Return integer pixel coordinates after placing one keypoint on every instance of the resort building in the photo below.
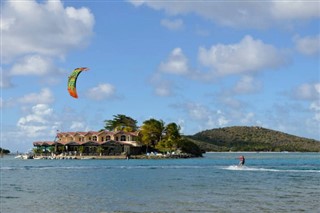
(92, 143)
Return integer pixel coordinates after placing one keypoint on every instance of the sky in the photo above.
(202, 65)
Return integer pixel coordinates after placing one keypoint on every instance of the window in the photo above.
(102, 138)
(94, 138)
(123, 138)
(108, 138)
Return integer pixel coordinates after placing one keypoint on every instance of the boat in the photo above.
(24, 156)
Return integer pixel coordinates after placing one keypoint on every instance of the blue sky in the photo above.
(202, 65)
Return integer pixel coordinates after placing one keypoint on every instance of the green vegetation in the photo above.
(151, 132)
(4, 151)
(171, 139)
(188, 146)
(38, 150)
(243, 138)
(155, 135)
(121, 122)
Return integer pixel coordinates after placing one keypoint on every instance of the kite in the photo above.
(72, 81)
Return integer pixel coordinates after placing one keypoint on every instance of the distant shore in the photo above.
(113, 157)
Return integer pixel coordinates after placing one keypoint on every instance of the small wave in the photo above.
(152, 167)
(160, 167)
(246, 168)
(42, 168)
(9, 197)
(7, 168)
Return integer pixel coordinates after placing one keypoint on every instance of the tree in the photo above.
(188, 146)
(81, 150)
(152, 132)
(100, 150)
(171, 137)
(4, 151)
(51, 149)
(122, 123)
(38, 150)
(172, 132)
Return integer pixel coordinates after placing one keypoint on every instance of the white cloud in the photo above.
(230, 102)
(222, 120)
(101, 92)
(245, 58)
(6, 23)
(248, 118)
(79, 126)
(181, 123)
(204, 116)
(309, 45)
(310, 92)
(44, 97)
(82, 15)
(176, 63)
(295, 118)
(307, 91)
(40, 122)
(315, 107)
(5, 80)
(197, 111)
(203, 32)
(162, 87)
(176, 24)
(43, 28)
(295, 9)
(35, 34)
(248, 56)
(33, 65)
(247, 84)
(246, 14)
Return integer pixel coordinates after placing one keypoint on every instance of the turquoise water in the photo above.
(269, 182)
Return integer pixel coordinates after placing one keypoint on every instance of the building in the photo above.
(92, 143)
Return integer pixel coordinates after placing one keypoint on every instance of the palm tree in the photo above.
(170, 138)
(121, 122)
(81, 150)
(100, 150)
(152, 132)
(38, 150)
(172, 131)
(51, 149)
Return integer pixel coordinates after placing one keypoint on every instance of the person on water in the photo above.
(242, 160)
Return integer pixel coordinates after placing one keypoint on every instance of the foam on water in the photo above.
(246, 168)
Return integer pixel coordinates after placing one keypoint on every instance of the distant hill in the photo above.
(243, 138)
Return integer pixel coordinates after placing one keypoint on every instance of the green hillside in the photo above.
(242, 138)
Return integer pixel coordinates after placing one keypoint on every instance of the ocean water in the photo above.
(269, 182)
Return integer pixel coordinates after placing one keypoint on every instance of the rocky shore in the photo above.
(114, 157)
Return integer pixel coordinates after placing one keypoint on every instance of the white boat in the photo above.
(24, 157)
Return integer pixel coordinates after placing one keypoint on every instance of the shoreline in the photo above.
(114, 157)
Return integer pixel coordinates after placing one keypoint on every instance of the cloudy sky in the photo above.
(202, 65)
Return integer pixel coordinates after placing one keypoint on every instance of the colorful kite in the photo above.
(73, 81)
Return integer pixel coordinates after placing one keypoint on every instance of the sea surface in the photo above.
(269, 182)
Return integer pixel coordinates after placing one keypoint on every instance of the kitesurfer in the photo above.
(242, 160)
